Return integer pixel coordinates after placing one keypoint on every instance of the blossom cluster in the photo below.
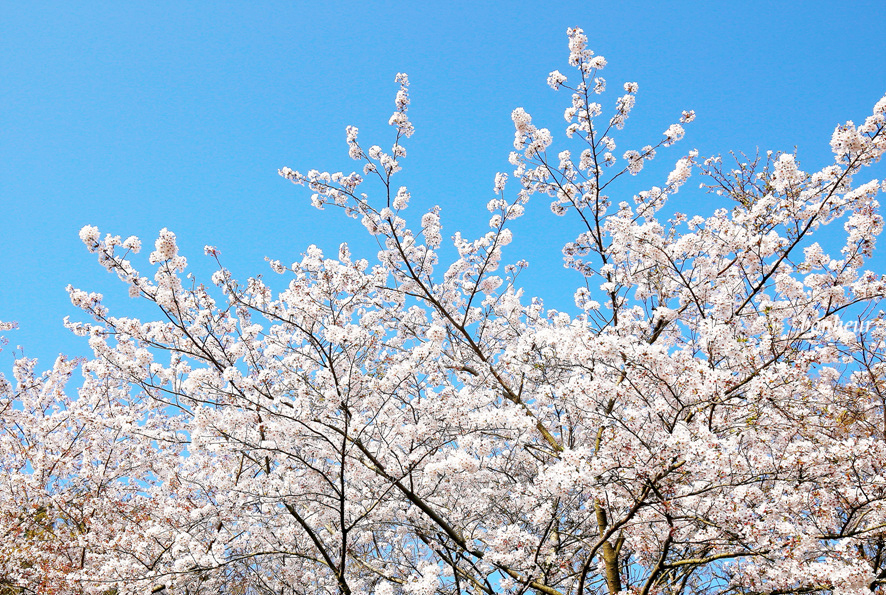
(699, 424)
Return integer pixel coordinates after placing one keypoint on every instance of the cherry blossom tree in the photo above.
(68, 476)
(703, 422)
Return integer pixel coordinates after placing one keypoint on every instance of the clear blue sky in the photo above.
(137, 116)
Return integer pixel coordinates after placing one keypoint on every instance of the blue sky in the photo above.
(138, 116)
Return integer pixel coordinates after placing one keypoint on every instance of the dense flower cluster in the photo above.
(699, 425)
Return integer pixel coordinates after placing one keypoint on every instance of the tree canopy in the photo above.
(711, 418)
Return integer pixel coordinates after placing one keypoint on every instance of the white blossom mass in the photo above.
(706, 421)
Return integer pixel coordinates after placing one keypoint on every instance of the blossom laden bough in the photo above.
(700, 424)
